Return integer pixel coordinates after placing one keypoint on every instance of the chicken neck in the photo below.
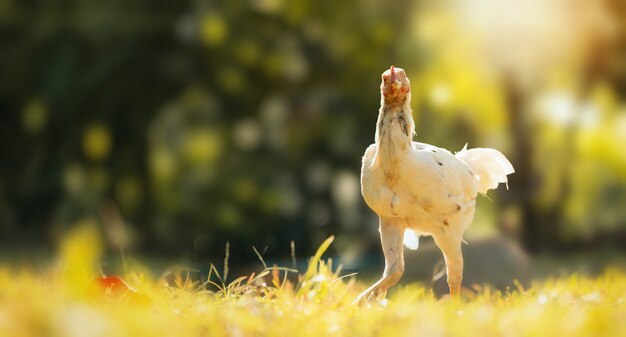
(394, 130)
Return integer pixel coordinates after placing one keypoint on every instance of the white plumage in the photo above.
(411, 239)
(490, 167)
(419, 189)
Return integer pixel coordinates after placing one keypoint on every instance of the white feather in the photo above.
(411, 239)
(490, 166)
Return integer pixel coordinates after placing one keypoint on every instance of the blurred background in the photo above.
(178, 126)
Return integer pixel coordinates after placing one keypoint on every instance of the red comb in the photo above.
(393, 73)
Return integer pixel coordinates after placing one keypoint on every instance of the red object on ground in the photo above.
(115, 288)
(114, 284)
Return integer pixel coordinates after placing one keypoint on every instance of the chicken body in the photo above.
(420, 189)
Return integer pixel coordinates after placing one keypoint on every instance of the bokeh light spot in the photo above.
(213, 29)
(97, 142)
(202, 146)
(34, 116)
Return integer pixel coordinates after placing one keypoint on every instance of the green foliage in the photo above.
(246, 120)
(199, 122)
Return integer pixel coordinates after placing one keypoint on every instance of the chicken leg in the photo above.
(391, 238)
(451, 248)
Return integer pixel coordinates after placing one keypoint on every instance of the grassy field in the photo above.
(66, 300)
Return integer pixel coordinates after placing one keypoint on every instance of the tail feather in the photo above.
(490, 167)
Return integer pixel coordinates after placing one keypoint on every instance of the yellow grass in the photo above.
(63, 301)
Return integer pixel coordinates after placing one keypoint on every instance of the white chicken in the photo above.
(419, 189)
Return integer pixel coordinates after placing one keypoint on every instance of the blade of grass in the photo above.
(312, 269)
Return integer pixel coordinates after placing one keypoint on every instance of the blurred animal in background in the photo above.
(419, 189)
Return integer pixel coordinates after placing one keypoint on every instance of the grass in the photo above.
(64, 300)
